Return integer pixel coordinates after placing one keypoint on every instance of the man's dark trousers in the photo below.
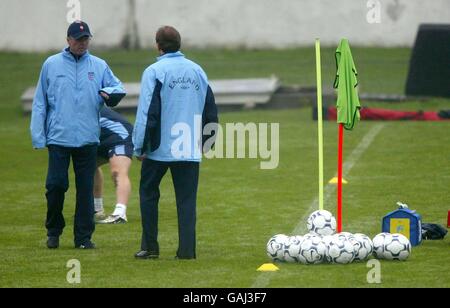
(84, 165)
(185, 180)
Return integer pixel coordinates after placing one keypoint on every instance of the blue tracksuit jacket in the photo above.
(66, 104)
(175, 103)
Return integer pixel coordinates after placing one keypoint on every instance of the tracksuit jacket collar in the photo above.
(170, 55)
(67, 53)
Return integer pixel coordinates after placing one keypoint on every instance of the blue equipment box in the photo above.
(406, 222)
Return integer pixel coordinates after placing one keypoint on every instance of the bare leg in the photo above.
(120, 166)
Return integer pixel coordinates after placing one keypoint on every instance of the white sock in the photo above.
(120, 210)
(98, 204)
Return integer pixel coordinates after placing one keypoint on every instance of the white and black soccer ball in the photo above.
(397, 247)
(365, 247)
(340, 251)
(321, 222)
(378, 244)
(275, 247)
(312, 250)
(292, 248)
(347, 236)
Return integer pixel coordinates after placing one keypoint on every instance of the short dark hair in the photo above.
(168, 39)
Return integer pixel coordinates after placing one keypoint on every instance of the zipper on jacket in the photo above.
(76, 79)
(76, 90)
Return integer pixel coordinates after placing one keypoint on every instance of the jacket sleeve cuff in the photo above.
(114, 98)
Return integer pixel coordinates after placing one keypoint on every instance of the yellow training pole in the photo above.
(319, 122)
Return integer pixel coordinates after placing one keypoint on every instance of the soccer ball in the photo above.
(322, 223)
(340, 250)
(292, 248)
(275, 247)
(391, 246)
(398, 248)
(312, 250)
(347, 236)
(365, 247)
(378, 244)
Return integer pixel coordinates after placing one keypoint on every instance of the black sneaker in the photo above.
(145, 254)
(53, 242)
(86, 245)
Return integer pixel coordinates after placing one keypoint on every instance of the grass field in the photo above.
(239, 206)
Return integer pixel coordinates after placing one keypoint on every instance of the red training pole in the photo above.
(339, 187)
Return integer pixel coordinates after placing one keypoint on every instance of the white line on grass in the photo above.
(263, 279)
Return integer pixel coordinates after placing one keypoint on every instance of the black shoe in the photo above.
(53, 242)
(86, 245)
(145, 254)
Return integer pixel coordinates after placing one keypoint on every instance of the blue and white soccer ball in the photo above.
(312, 250)
(391, 246)
(275, 247)
(292, 249)
(340, 250)
(347, 236)
(321, 222)
(397, 247)
(364, 249)
(378, 244)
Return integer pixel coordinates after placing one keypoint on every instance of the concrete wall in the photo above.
(37, 25)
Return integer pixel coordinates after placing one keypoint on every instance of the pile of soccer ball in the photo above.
(323, 244)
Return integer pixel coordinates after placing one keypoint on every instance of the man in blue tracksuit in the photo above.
(72, 88)
(174, 104)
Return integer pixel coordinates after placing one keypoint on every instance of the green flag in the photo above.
(347, 101)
